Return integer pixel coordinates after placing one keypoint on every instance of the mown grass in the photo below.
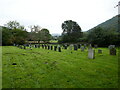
(41, 68)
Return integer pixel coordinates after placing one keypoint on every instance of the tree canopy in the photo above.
(71, 31)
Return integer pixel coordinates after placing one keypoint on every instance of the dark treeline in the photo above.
(14, 33)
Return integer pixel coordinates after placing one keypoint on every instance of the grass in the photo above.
(41, 68)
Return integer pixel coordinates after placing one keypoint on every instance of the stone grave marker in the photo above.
(71, 46)
(51, 47)
(48, 47)
(99, 51)
(55, 48)
(75, 47)
(59, 48)
(112, 51)
(91, 53)
(82, 48)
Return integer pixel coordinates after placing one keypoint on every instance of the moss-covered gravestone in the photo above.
(112, 50)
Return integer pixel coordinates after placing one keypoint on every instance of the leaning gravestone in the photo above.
(99, 51)
(112, 50)
(91, 53)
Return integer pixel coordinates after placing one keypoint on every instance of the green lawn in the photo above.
(40, 68)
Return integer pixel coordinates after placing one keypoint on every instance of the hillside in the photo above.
(109, 24)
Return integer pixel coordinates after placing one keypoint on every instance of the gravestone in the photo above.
(51, 47)
(82, 48)
(59, 49)
(99, 51)
(42, 46)
(112, 51)
(55, 48)
(71, 46)
(111, 46)
(48, 47)
(91, 53)
(75, 47)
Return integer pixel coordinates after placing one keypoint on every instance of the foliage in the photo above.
(102, 37)
(71, 31)
(13, 33)
(40, 68)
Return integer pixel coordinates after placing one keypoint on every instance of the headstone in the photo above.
(55, 48)
(112, 51)
(111, 46)
(51, 47)
(48, 47)
(99, 51)
(82, 48)
(75, 47)
(42, 46)
(71, 46)
(59, 49)
(91, 53)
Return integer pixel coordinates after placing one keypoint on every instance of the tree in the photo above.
(44, 35)
(13, 33)
(14, 25)
(102, 37)
(71, 31)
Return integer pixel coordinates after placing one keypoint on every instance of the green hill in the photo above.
(109, 24)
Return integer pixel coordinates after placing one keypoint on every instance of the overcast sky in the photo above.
(51, 14)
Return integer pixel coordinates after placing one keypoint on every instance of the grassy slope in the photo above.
(40, 68)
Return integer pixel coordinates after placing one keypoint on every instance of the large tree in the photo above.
(44, 35)
(71, 31)
(13, 32)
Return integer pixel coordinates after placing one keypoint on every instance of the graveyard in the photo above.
(47, 67)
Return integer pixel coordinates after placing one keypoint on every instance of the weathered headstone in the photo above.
(91, 53)
(59, 49)
(75, 47)
(71, 46)
(112, 51)
(51, 47)
(99, 51)
(48, 47)
(82, 48)
(55, 48)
